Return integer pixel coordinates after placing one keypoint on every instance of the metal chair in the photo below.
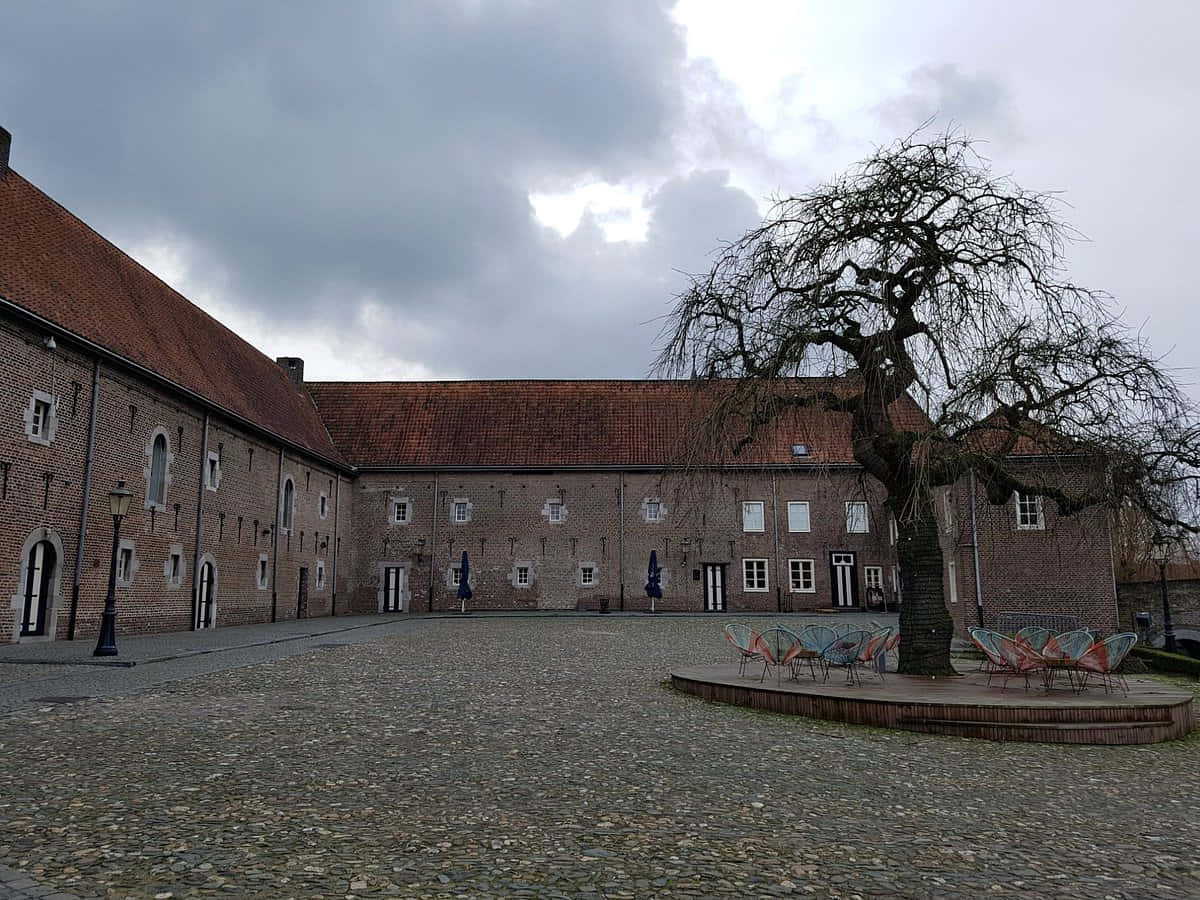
(1102, 658)
(1035, 636)
(742, 638)
(844, 653)
(873, 649)
(772, 645)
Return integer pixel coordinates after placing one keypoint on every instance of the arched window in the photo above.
(289, 492)
(158, 471)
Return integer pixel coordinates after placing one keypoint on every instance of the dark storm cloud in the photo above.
(319, 153)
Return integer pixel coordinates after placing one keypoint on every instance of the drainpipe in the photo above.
(621, 535)
(775, 527)
(433, 539)
(275, 536)
(337, 515)
(975, 553)
(199, 527)
(87, 491)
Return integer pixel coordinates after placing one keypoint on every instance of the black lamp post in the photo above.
(1162, 553)
(118, 504)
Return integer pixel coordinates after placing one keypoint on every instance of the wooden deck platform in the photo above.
(965, 706)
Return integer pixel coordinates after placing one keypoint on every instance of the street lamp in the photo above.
(118, 505)
(1161, 554)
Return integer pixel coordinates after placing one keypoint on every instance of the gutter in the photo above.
(87, 493)
(621, 536)
(639, 468)
(337, 516)
(275, 536)
(975, 553)
(103, 352)
(199, 528)
(775, 528)
(433, 505)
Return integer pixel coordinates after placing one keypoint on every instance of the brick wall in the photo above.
(1183, 595)
(510, 525)
(1064, 568)
(130, 412)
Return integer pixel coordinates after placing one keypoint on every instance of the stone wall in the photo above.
(1146, 596)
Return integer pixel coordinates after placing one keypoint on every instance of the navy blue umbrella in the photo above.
(464, 586)
(653, 588)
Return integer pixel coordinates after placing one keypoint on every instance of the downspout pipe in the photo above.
(337, 516)
(199, 527)
(433, 539)
(775, 528)
(621, 535)
(975, 554)
(275, 537)
(87, 493)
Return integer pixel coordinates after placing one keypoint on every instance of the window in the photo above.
(754, 574)
(401, 511)
(127, 564)
(41, 418)
(1029, 512)
(262, 572)
(212, 472)
(653, 511)
(157, 494)
(174, 568)
(456, 576)
(893, 531)
(555, 509)
(323, 505)
(462, 512)
(873, 577)
(522, 576)
(800, 573)
(320, 574)
(947, 511)
(587, 575)
(798, 515)
(952, 579)
(856, 517)
(289, 501)
(752, 516)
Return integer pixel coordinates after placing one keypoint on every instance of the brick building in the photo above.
(259, 496)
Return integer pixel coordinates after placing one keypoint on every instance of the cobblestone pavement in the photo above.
(547, 758)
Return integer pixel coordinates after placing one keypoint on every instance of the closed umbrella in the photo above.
(464, 586)
(653, 587)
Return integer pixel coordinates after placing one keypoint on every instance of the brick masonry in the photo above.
(1183, 595)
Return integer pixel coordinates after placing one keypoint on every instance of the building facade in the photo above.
(258, 496)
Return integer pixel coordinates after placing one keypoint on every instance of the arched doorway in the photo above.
(206, 596)
(40, 567)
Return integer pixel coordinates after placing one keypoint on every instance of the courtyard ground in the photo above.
(544, 757)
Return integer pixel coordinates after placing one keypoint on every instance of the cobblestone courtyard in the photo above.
(547, 757)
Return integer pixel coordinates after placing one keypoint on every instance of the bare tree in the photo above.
(920, 275)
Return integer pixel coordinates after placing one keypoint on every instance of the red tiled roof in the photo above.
(55, 266)
(554, 423)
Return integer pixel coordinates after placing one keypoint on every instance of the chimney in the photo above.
(5, 144)
(294, 366)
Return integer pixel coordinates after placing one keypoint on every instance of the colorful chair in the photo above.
(844, 653)
(1034, 636)
(1018, 659)
(772, 645)
(872, 651)
(1102, 658)
(742, 638)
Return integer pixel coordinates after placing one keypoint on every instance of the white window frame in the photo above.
(747, 507)
(760, 566)
(319, 578)
(41, 418)
(653, 509)
(522, 576)
(893, 530)
(396, 505)
(587, 575)
(456, 576)
(127, 572)
(948, 511)
(851, 519)
(153, 502)
(175, 579)
(262, 572)
(796, 576)
(212, 471)
(952, 579)
(794, 509)
(1040, 524)
(873, 577)
(554, 512)
(463, 504)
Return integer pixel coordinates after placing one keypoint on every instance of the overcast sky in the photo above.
(496, 190)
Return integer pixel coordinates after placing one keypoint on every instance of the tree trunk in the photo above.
(925, 624)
